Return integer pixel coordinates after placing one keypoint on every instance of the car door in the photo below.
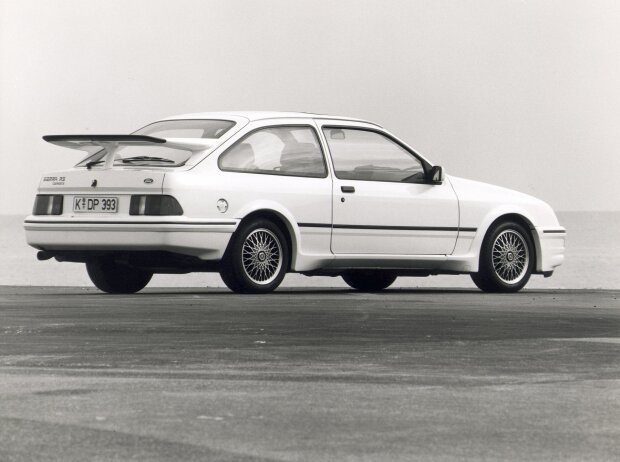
(382, 203)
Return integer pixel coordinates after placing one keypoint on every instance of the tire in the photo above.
(115, 278)
(507, 259)
(256, 259)
(369, 280)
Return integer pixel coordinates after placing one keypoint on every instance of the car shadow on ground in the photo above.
(282, 291)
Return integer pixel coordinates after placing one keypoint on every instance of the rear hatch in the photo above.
(100, 192)
(119, 171)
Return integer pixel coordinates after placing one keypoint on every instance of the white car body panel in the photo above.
(203, 239)
(481, 204)
(394, 218)
(434, 227)
(388, 218)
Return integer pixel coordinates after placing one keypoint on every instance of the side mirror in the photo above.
(435, 175)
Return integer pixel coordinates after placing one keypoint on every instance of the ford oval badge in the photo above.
(148, 180)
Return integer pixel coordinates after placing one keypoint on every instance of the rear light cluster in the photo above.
(154, 205)
(45, 204)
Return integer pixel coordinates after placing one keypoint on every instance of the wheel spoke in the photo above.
(510, 256)
(261, 256)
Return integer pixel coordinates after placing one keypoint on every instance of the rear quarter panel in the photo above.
(295, 199)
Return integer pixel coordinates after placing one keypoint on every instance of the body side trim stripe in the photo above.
(231, 223)
(314, 225)
(213, 223)
(554, 231)
(392, 228)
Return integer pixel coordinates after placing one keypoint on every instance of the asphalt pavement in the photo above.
(304, 375)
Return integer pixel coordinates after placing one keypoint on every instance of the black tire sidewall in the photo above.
(369, 280)
(487, 275)
(232, 271)
(114, 278)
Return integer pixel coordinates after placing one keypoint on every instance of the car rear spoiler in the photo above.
(112, 142)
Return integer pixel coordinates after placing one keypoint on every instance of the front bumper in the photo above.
(205, 239)
(550, 246)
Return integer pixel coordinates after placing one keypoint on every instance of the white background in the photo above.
(517, 93)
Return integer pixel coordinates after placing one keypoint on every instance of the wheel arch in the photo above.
(524, 221)
(281, 221)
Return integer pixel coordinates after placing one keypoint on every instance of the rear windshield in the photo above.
(162, 156)
(187, 129)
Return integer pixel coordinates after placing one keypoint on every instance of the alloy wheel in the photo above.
(510, 256)
(261, 256)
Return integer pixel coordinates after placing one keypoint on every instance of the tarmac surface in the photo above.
(321, 374)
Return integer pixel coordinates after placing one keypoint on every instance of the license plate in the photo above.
(98, 204)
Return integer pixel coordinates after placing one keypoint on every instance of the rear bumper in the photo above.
(550, 247)
(205, 239)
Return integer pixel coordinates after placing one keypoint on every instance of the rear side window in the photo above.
(367, 155)
(287, 150)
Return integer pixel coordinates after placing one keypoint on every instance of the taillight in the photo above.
(154, 205)
(45, 204)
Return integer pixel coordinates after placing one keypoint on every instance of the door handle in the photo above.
(347, 189)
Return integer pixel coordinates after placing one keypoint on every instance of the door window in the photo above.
(367, 155)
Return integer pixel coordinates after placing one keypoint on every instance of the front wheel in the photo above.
(506, 259)
(256, 260)
(114, 278)
(369, 280)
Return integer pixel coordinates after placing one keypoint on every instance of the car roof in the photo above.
(263, 115)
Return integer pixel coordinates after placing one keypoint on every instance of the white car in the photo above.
(254, 195)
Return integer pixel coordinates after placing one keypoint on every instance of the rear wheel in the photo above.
(115, 278)
(369, 280)
(257, 258)
(506, 259)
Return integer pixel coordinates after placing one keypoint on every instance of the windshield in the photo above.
(158, 155)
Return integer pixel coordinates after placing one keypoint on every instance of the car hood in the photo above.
(478, 200)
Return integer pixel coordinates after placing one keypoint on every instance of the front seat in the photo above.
(302, 158)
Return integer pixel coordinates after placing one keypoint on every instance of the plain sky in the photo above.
(525, 94)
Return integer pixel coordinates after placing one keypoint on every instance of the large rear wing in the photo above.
(110, 143)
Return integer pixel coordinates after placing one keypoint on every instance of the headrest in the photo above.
(241, 156)
(299, 150)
